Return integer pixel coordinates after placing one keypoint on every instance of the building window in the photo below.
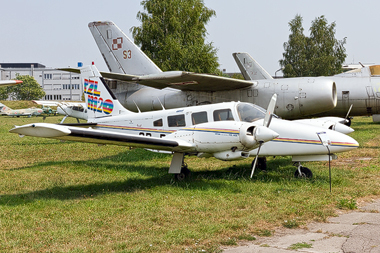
(48, 76)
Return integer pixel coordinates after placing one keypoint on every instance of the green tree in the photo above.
(29, 89)
(3, 93)
(320, 54)
(172, 34)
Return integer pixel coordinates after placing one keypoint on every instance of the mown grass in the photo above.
(77, 197)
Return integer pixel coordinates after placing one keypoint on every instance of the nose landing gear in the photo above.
(302, 172)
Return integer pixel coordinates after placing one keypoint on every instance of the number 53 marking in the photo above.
(127, 54)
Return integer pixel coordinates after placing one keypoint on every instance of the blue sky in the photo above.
(55, 33)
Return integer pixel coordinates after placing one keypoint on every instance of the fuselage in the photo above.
(361, 88)
(184, 123)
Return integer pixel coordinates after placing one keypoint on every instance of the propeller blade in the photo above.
(257, 158)
(349, 110)
(264, 134)
(270, 110)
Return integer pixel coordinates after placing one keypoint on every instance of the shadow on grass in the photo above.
(154, 177)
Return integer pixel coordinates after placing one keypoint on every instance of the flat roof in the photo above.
(21, 65)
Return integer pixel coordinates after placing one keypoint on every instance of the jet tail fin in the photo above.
(4, 108)
(250, 68)
(119, 52)
(100, 100)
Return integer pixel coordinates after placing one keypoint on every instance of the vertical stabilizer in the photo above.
(4, 109)
(250, 69)
(100, 100)
(119, 52)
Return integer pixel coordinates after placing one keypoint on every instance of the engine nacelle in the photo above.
(299, 97)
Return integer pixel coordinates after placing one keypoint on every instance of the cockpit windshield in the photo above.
(249, 112)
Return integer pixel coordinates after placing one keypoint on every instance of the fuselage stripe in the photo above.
(314, 142)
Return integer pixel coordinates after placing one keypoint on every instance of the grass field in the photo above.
(77, 197)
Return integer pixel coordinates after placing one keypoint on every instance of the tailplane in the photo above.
(119, 52)
(100, 100)
(250, 69)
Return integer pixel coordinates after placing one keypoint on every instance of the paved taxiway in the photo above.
(356, 231)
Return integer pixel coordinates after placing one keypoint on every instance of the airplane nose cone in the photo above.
(341, 143)
(264, 134)
(343, 128)
(60, 111)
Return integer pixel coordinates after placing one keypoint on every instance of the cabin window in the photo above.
(157, 123)
(199, 117)
(78, 108)
(176, 121)
(224, 114)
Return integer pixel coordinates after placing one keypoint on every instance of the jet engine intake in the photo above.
(318, 96)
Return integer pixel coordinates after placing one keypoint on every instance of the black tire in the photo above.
(305, 173)
(183, 175)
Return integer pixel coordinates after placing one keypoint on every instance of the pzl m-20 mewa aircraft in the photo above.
(227, 131)
(148, 85)
(358, 90)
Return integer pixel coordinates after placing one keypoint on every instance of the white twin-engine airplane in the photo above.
(226, 131)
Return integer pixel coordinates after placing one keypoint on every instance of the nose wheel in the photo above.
(303, 172)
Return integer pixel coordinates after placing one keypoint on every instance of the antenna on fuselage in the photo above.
(163, 108)
(136, 106)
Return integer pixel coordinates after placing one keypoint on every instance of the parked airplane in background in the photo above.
(148, 86)
(359, 88)
(33, 111)
(226, 131)
(4, 83)
(69, 109)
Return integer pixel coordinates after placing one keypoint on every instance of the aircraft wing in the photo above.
(56, 103)
(180, 80)
(65, 132)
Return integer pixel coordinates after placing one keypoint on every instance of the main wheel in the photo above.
(305, 173)
(185, 173)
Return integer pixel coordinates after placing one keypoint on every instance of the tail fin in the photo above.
(4, 109)
(250, 68)
(119, 52)
(100, 100)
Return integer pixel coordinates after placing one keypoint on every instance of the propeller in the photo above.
(347, 118)
(262, 137)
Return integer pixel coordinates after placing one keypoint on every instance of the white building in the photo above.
(58, 85)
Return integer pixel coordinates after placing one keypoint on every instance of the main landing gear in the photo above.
(185, 173)
(178, 167)
(302, 172)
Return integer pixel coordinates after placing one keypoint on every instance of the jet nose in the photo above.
(343, 128)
